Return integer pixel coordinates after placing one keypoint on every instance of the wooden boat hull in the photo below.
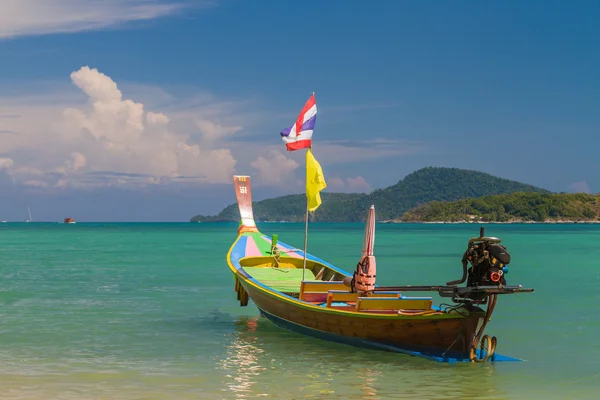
(430, 335)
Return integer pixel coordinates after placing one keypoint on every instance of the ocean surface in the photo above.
(148, 311)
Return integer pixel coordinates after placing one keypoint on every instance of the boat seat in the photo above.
(317, 290)
(345, 295)
(382, 303)
(340, 295)
(385, 294)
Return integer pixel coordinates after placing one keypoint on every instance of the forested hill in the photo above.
(420, 187)
(513, 207)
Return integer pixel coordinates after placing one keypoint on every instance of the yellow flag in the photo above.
(315, 181)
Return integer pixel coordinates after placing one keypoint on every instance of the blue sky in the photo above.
(142, 110)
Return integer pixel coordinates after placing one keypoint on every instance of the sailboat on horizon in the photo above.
(30, 219)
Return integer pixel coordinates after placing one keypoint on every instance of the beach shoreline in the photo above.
(491, 222)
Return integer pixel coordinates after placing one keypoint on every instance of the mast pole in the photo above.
(305, 239)
(305, 227)
(306, 216)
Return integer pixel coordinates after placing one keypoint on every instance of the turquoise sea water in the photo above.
(148, 311)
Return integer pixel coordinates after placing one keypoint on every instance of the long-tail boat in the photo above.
(303, 293)
(306, 294)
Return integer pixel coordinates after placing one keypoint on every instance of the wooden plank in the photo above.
(314, 297)
(379, 303)
(340, 295)
(385, 294)
(321, 287)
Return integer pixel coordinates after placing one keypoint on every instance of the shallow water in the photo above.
(148, 311)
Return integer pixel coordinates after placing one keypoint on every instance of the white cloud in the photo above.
(35, 183)
(105, 141)
(76, 162)
(335, 152)
(336, 184)
(357, 184)
(34, 17)
(272, 166)
(157, 118)
(5, 163)
(275, 168)
(580, 187)
(212, 130)
(99, 133)
(26, 171)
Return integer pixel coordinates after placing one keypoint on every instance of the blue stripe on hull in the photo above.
(429, 353)
(239, 250)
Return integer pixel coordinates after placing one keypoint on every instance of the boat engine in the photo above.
(488, 259)
(485, 277)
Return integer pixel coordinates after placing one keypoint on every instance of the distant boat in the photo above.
(69, 221)
(3, 222)
(30, 219)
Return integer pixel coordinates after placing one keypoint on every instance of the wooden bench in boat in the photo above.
(330, 291)
(385, 294)
(340, 295)
(393, 304)
(347, 296)
(317, 290)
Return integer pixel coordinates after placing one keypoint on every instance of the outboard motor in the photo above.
(488, 259)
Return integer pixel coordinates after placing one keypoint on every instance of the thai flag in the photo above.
(299, 135)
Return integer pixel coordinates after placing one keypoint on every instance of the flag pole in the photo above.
(305, 239)
(306, 217)
(305, 226)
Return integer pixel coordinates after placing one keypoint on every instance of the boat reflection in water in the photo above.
(242, 359)
(264, 361)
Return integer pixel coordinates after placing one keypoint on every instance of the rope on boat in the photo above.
(290, 250)
(276, 253)
(459, 336)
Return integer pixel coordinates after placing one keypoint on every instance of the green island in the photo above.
(432, 194)
(511, 208)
